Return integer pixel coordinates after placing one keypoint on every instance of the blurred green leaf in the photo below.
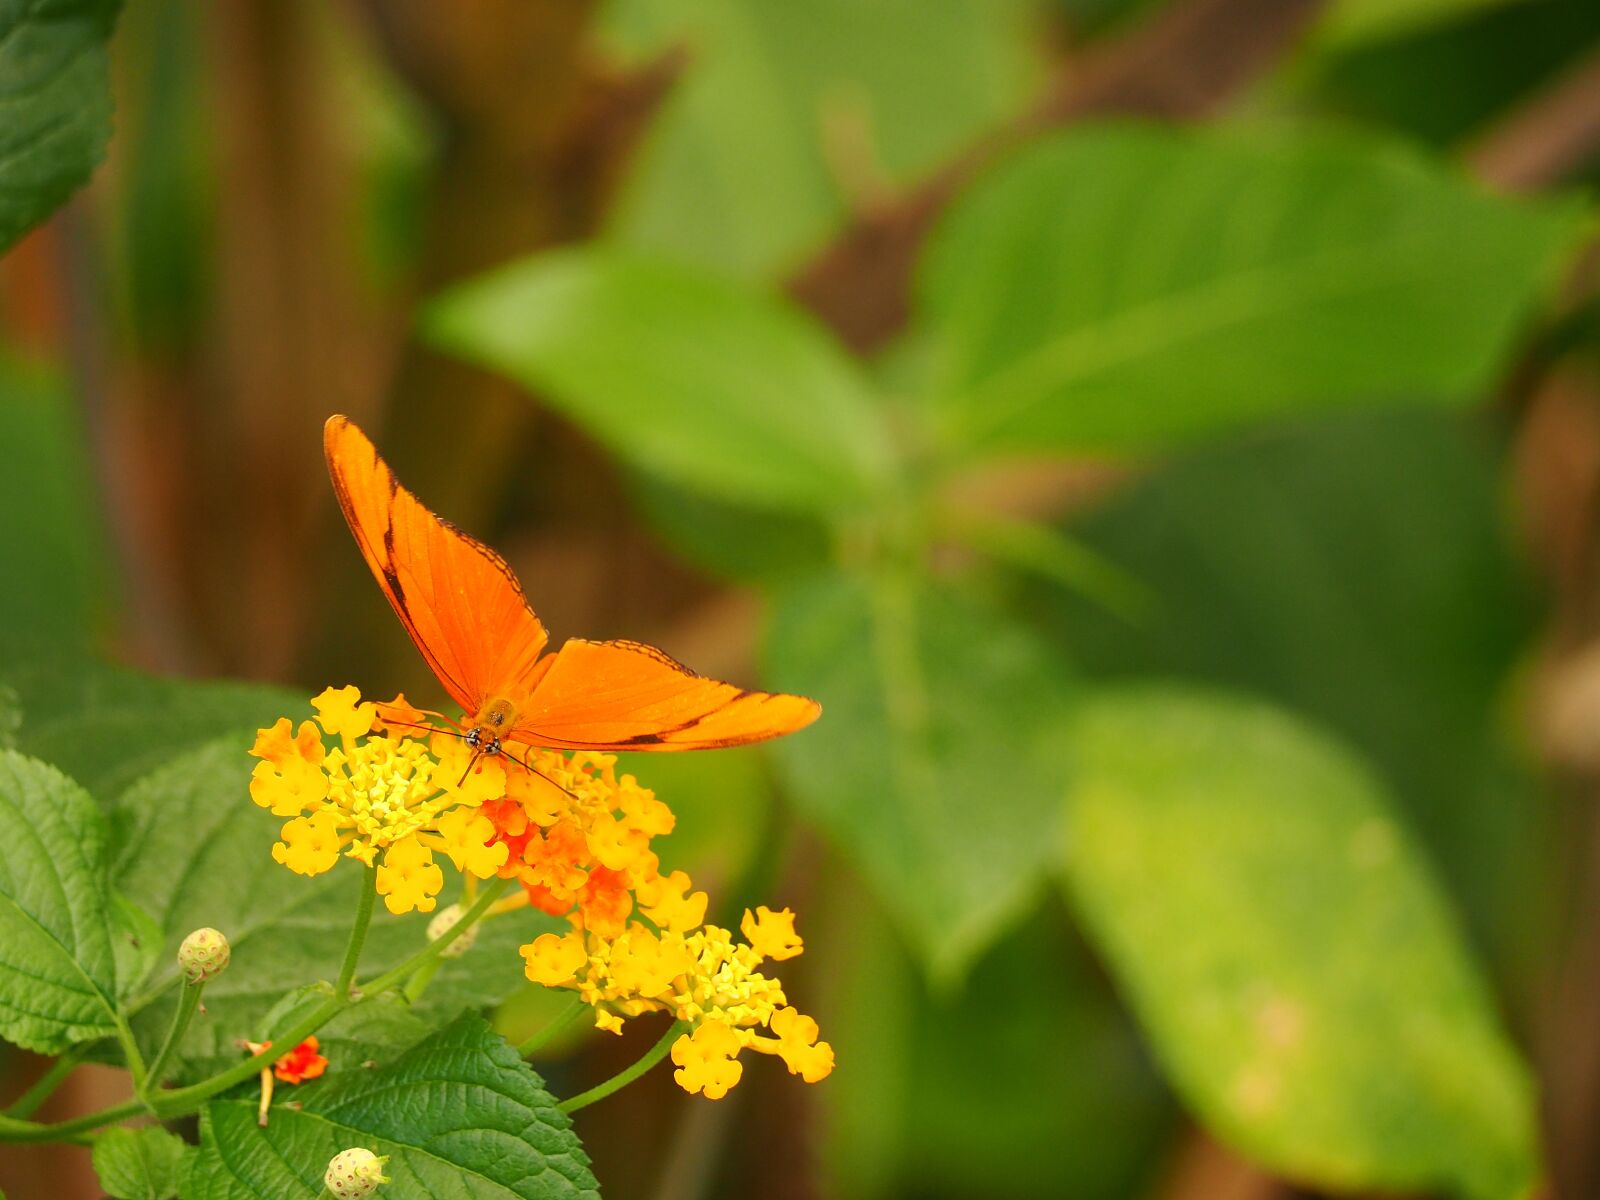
(685, 375)
(58, 962)
(1128, 288)
(140, 1164)
(733, 542)
(57, 104)
(107, 725)
(787, 114)
(1358, 569)
(922, 1112)
(51, 544)
(937, 764)
(1282, 943)
(1352, 22)
(197, 851)
(460, 1117)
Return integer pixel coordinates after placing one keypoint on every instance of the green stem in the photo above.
(623, 1078)
(28, 1103)
(188, 1002)
(12, 1130)
(554, 1026)
(433, 949)
(419, 982)
(358, 933)
(130, 1053)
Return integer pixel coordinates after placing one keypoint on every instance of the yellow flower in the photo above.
(464, 835)
(797, 1044)
(408, 878)
(669, 904)
(310, 845)
(771, 934)
(707, 1060)
(554, 959)
(342, 713)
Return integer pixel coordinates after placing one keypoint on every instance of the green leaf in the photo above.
(687, 376)
(1349, 23)
(107, 725)
(56, 101)
(53, 546)
(732, 542)
(197, 851)
(937, 763)
(1239, 872)
(786, 108)
(460, 1117)
(1127, 288)
(1282, 566)
(140, 1164)
(58, 960)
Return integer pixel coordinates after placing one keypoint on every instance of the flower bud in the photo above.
(355, 1173)
(203, 955)
(443, 922)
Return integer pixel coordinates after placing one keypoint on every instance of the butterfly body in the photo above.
(465, 611)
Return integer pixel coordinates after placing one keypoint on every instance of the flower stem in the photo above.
(433, 949)
(28, 1103)
(552, 1027)
(188, 1001)
(623, 1078)
(130, 1053)
(419, 982)
(358, 933)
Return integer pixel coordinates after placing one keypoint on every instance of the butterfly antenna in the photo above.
(529, 767)
(455, 733)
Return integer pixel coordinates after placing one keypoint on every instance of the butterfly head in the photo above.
(492, 722)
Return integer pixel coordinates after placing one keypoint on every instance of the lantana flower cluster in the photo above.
(372, 782)
(387, 798)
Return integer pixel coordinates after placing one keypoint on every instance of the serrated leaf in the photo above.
(1129, 288)
(197, 851)
(460, 1116)
(58, 961)
(688, 376)
(1239, 871)
(57, 104)
(140, 1164)
(936, 765)
(107, 725)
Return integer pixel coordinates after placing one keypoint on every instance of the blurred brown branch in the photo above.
(1547, 138)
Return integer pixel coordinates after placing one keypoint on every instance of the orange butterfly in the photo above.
(466, 612)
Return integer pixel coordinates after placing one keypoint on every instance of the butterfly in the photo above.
(467, 614)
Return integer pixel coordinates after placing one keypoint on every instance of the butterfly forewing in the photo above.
(457, 598)
(628, 696)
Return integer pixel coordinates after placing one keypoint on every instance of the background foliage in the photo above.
(1162, 433)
